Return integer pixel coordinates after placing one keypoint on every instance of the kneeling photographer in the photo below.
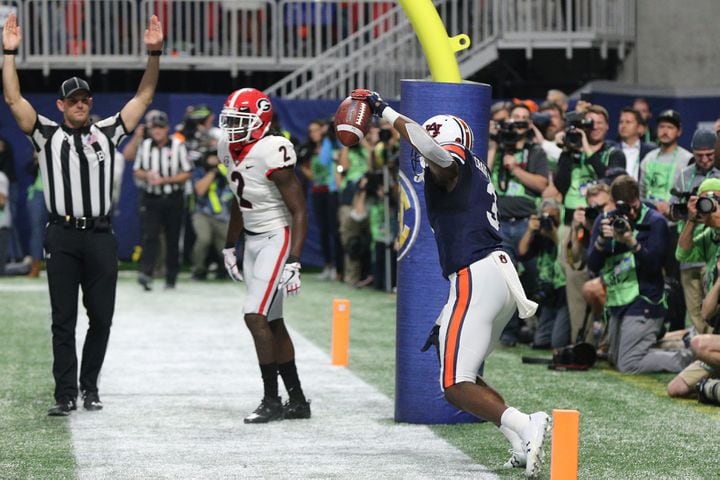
(541, 240)
(586, 157)
(627, 248)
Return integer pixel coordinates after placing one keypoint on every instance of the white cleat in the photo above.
(516, 460)
(533, 440)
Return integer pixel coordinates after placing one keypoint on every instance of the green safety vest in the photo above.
(581, 178)
(549, 269)
(514, 187)
(658, 178)
(620, 276)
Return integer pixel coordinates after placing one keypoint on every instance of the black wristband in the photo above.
(10, 52)
(229, 245)
(293, 259)
(154, 53)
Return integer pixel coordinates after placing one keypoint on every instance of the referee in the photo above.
(76, 165)
(161, 163)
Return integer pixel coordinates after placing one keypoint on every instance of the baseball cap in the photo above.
(72, 85)
(709, 185)
(703, 139)
(670, 116)
(158, 119)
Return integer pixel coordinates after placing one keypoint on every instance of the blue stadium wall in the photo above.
(294, 116)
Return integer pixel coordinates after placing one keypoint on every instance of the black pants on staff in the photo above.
(80, 254)
(162, 212)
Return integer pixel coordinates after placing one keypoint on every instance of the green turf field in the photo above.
(629, 428)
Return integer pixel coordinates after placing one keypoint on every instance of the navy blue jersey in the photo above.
(465, 220)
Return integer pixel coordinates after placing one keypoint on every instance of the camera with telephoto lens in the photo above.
(619, 218)
(709, 391)
(706, 205)
(508, 135)
(575, 122)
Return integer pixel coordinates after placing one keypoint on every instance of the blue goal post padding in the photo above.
(422, 291)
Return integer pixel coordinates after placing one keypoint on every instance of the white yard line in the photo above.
(181, 374)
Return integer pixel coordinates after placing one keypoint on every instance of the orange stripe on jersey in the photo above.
(276, 271)
(455, 149)
(452, 339)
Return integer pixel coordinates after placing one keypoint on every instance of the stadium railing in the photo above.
(327, 44)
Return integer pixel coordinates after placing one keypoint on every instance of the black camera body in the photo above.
(575, 122)
(619, 219)
(592, 212)
(508, 135)
(679, 210)
(546, 222)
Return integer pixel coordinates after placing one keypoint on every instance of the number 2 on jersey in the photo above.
(237, 177)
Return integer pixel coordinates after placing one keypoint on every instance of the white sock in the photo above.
(513, 438)
(515, 420)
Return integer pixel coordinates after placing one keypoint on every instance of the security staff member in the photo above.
(76, 164)
(161, 163)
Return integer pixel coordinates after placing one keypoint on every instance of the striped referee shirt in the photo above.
(167, 161)
(77, 165)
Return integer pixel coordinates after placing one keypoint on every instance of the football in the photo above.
(352, 121)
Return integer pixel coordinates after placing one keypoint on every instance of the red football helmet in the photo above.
(246, 115)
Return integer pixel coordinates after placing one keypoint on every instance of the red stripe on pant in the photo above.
(276, 271)
(452, 339)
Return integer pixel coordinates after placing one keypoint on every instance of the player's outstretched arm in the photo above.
(24, 113)
(133, 111)
(440, 162)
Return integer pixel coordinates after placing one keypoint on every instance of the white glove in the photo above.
(290, 279)
(231, 264)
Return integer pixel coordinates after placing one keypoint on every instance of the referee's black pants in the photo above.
(162, 212)
(85, 259)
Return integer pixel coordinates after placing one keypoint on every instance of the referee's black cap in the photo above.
(72, 85)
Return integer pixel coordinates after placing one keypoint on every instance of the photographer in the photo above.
(574, 255)
(688, 182)
(541, 241)
(586, 157)
(627, 248)
(519, 175)
(659, 167)
(211, 213)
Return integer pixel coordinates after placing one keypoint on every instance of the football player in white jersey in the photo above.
(269, 214)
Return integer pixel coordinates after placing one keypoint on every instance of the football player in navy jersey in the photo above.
(462, 208)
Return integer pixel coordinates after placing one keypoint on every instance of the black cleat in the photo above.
(146, 281)
(62, 408)
(293, 409)
(91, 401)
(270, 409)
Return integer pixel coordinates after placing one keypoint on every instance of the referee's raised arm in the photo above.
(133, 111)
(21, 109)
